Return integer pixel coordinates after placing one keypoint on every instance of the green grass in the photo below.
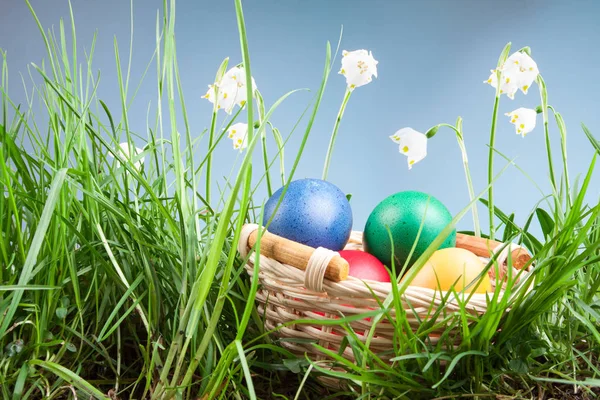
(125, 282)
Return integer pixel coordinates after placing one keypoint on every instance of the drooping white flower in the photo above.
(523, 68)
(137, 163)
(358, 67)
(238, 133)
(230, 90)
(518, 72)
(413, 145)
(508, 85)
(523, 119)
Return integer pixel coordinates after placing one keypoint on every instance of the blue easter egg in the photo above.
(313, 212)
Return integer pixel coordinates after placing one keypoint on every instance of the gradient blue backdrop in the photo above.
(433, 56)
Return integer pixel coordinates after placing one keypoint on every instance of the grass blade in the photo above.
(34, 248)
(71, 377)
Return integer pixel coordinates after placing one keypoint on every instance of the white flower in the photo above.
(128, 156)
(358, 67)
(518, 72)
(231, 90)
(523, 68)
(239, 134)
(413, 144)
(523, 119)
(508, 86)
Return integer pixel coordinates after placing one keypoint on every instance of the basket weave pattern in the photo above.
(288, 294)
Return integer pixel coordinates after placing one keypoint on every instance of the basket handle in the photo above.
(487, 248)
(295, 254)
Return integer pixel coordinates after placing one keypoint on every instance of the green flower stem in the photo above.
(213, 124)
(501, 61)
(544, 98)
(563, 147)
(263, 139)
(260, 103)
(463, 150)
(491, 161)
(334, 133)
(280, 152)
(211, 138)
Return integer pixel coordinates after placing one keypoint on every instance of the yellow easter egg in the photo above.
(453, 267)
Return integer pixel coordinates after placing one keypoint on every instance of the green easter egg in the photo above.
(403, 213)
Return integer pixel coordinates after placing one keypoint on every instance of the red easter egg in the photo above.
(365, 266)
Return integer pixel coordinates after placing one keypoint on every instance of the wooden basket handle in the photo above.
(289, 252)
(485, 248)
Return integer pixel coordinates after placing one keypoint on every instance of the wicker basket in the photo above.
(287, 294)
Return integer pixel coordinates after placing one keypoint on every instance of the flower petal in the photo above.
(524, 120)
(412, 144)
(509, 83)
(238, 134)
(230, 90)
(358, 67)
(518, 73)
(136, 151)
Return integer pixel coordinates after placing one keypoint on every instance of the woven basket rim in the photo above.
(355, 243)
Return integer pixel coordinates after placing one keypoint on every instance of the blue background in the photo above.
(433, 57)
